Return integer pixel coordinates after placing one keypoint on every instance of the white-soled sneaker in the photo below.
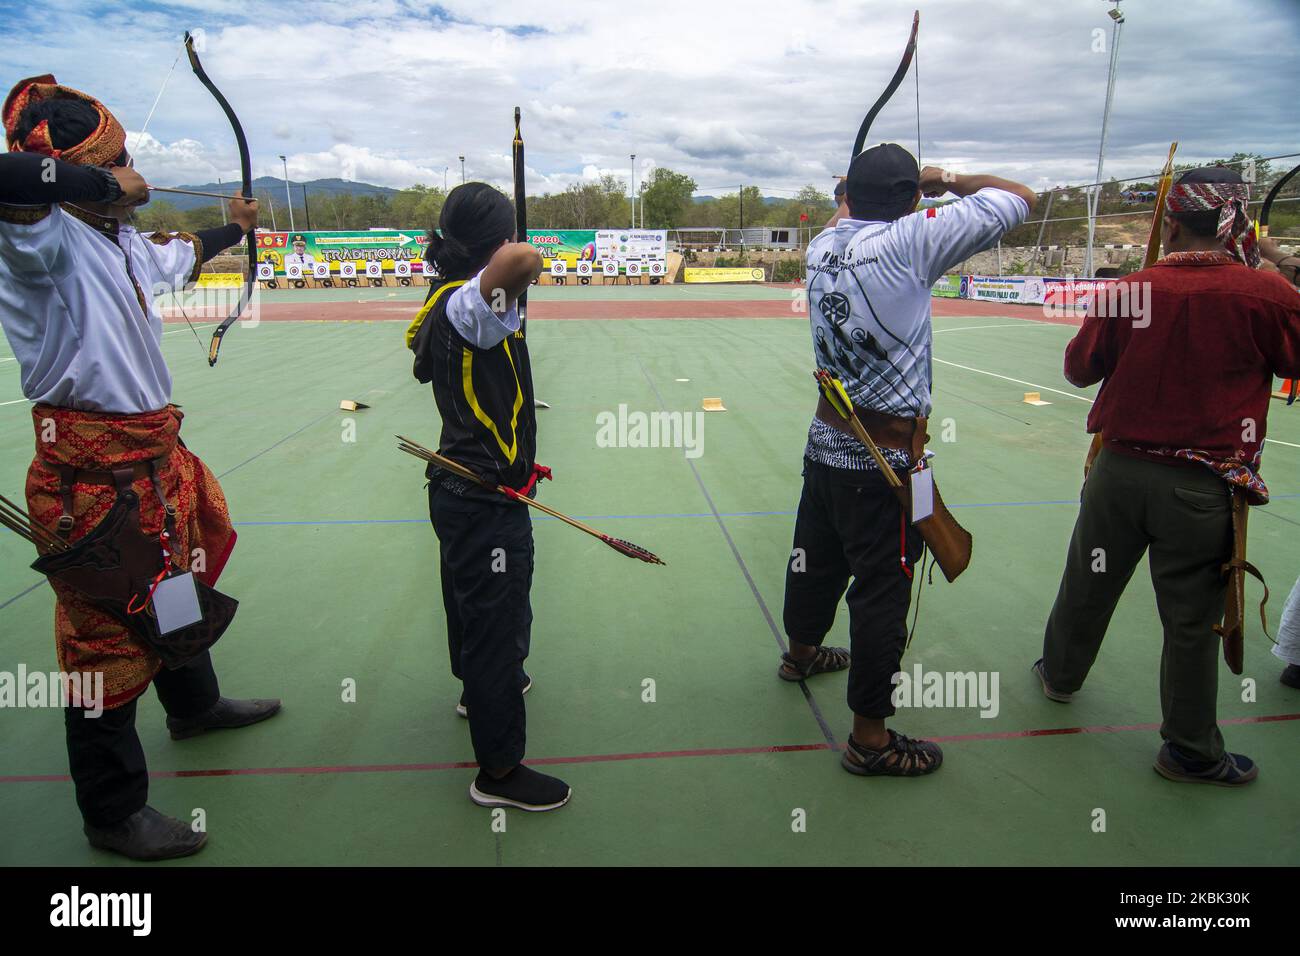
(522, 788)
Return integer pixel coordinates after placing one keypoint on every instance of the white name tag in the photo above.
(176, 603)
(922, 494)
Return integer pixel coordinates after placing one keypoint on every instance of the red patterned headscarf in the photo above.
(99, 148)
(1230, 200)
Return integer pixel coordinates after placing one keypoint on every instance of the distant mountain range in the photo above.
(269, 187)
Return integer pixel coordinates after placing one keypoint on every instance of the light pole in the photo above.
(444, 178)
(1094, 199)
(634, 190)
(287, 197)
(462, 170)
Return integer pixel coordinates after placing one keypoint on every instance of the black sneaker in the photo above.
(463, 711)
(522, 788)
(1291, 676)
(1230, 770)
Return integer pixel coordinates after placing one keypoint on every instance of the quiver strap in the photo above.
(1232, 630)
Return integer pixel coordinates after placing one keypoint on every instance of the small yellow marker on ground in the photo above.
(349, 405)
(714, 405)
(1035, 398)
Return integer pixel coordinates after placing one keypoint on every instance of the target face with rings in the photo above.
(834, 307)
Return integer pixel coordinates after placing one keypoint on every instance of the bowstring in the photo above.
(178, 298)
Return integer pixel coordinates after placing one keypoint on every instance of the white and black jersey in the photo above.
(869, 307)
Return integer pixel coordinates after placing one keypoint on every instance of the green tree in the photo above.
(666, 198)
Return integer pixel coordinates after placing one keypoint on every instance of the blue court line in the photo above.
(683, 514)
(611, 517)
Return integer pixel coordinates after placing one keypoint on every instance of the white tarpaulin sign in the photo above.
(641, 245)
(1027, 290)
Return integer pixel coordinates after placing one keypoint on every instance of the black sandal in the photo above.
(903, 757)
(826, 659)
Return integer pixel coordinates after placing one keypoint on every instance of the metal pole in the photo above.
(462, 170)
(305, 207)
(271, 203)
(444, 178)
(1094, 198)
(288, 198)
(1042, 226)
(633, 190)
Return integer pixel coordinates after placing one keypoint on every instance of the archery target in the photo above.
(656, 268)
(559, 267)
(633, 267)
(293, 271)
(348, 270)
(401, 268)
(265, 271)
(321, 270)
(374, 270)
(584, 267)
(609, 267)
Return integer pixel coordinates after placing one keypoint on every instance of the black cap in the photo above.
(299, 237)
(882, 183)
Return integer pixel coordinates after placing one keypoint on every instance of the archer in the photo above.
(1183, 407)
(869, 278)
(79, 313)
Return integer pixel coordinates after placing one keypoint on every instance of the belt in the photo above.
(887, 431)
(122, 478)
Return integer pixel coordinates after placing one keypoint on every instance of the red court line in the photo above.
(644, 755)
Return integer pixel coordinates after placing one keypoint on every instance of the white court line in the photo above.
(19, 402)
(1057, 391)
(1027, 323)
(1018, 381)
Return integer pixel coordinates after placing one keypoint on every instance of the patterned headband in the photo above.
(1230, 200)
(101, 147)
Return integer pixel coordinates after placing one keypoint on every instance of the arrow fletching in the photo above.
(631, 550)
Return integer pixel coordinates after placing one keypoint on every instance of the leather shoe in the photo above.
(224, 714)
(147, 835)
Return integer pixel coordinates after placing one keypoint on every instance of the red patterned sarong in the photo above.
(87, 639)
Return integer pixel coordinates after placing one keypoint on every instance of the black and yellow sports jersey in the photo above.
(485, 396)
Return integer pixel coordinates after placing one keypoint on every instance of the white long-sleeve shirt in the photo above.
(77, 304)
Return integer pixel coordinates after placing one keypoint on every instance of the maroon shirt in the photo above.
(1218, 334)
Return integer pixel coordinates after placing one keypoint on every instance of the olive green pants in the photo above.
(1182, 516)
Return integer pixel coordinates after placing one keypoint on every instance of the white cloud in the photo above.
(769, 92)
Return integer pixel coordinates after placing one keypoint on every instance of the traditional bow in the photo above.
(1152, 254)
(892, 88)
(1261, 224)
(246, 173)
(521, 211)
(1162, 193)
(1261, 233)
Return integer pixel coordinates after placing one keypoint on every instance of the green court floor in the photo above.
(336, 572)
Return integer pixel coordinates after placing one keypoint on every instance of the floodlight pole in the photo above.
(1094, 197)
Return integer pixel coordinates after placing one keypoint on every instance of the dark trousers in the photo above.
(850, 526)
(104, 753)
(1182, 516)
(486, 551)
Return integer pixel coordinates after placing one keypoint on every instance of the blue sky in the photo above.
(762, 93)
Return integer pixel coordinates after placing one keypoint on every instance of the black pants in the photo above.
(486, 550)
(850, 525)
(104, 753)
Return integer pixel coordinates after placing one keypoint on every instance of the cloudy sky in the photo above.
(761, 92)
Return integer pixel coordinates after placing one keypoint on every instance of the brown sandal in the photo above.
(826, 659)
